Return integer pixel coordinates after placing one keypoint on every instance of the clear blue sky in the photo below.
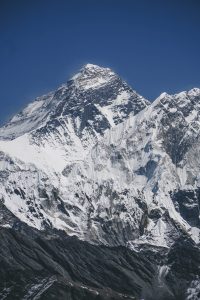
(154, 45)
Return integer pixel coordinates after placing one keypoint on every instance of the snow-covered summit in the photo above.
(93, 76)
(95, 95)
(95, 69)
(91, 68)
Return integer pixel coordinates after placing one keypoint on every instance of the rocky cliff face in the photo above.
(98, 161)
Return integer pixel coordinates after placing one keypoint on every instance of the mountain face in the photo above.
(95, 177)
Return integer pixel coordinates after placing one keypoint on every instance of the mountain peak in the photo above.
(95, 95)
(91, 66)
(91, 71)
(93, 76)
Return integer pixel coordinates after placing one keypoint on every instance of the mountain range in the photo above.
(100, 194)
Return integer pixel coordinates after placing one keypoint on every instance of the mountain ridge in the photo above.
(98, 161)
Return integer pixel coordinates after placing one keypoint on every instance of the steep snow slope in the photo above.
(95, 159)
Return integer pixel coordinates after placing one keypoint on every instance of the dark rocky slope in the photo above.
(51, 265)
